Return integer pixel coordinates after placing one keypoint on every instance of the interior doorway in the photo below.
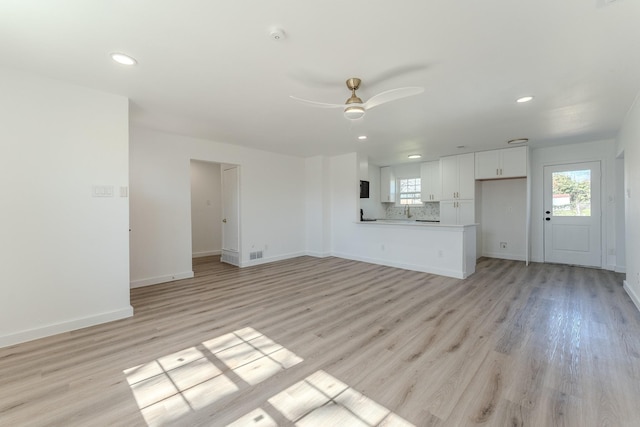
(572, 214)
(215, 211)
(206, 209)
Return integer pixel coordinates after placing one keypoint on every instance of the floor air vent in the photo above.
(230, 257)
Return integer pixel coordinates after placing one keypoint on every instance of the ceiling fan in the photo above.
(354, 108)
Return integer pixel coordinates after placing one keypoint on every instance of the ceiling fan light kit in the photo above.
(354, 113)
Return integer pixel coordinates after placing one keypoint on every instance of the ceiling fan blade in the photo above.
(392, 95)
(315, 103)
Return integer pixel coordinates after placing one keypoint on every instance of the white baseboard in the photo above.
(634, 297)
(620, 269)
(271, 259)
(318, 254)
(70, 325)
(160, 279)
(413, 267)
(502, 255)
(206, 253)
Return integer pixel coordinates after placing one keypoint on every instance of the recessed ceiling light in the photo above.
(362, 137)
(518, 141)
(524, 99)
(123, 59)
(414, 156)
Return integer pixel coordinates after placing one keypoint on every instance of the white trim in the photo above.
(318, 254)
(634, 297)
(271, 259)
(206, 253)
(620, 269)
(501, 255)
(458, 274)
(71, 325)
(161, 279)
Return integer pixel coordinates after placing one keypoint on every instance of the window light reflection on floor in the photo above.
(321, 400)
(174, 385)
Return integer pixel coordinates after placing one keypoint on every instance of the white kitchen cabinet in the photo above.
(430, 181)
(457, 177)
(505, 163)
(460, 212)
(387, 185)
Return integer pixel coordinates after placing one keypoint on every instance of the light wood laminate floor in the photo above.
(335, 342)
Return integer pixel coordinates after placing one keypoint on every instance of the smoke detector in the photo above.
(277, 34)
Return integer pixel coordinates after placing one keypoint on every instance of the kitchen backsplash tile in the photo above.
(429, 210)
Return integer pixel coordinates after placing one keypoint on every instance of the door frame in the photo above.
(227, 256)
(602, 209)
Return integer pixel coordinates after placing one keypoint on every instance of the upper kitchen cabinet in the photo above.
(387, 185)
(430, 181)
(457, 177)
(505, 163)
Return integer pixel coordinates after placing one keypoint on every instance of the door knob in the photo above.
(224, 220)
(548, 212)
(547, 219)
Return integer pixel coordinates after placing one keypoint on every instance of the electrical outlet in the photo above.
(503, 245)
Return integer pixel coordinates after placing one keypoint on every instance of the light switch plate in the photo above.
(102, 191)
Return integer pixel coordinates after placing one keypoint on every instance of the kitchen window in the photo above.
(410, 191)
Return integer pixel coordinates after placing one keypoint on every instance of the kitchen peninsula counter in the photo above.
(431, 247)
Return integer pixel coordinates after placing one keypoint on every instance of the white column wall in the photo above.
(318, 207)
(64, 253)
(629, 144)
(272, 203)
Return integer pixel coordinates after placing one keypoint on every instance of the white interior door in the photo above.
(230, 211)
(572, 228)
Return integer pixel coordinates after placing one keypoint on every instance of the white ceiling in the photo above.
(209, 68)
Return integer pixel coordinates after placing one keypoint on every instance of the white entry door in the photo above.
(230, 216)
(572, 228)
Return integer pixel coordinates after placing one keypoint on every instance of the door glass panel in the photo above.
(572, 193)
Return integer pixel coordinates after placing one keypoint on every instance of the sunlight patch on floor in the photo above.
(174, 385)
(321, 400)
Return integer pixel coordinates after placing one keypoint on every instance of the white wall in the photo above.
(64, 253)
(503, 206)
(206, 209)
(272, 203)
(317, 207)
(407, 171)
(629, 143)
(373, 207)
(604, 151)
